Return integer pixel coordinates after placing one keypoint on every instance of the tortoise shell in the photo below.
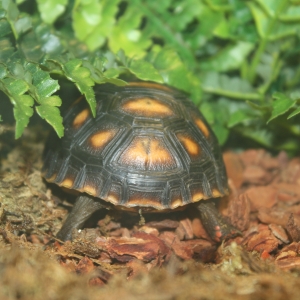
(148, 148)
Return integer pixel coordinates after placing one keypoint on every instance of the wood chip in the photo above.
(273, 215)
(279, 232)
(288, 263)
(85, 266)
(256, 175)
(164, 224)
(288, 192)
(292, 229)
(198, 229)
(291, 174)
(264, 240)
(239, 211)
(143, 246)
(264, 196)
(185, 230)
(96, 282)
(234, 168)
(136, 267)
(149, 230)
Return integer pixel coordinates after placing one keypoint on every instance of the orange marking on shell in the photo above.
(216, 193)
(145, 201)
(67, 182)
(77, 101)
(197, 197)
(190, 145)
(113, 198)
(150, 85)
(203, 128)
(147, 107)
(176, 203)
(102, 138)
(52, 178)
(89, 189)
(148, 154)
(81, 118)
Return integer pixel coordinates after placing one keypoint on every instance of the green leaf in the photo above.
(50, 10)
(126, 35)
(217, 113)
(259, 107)
(208, 112)
(270, 6)
(221, 132)
(238, 117)
(3, 71)
(259, 134)
(22, 113)
(96, 67)
(94, 21)
(5, 28)
(52, 101)
(112, 72)
(81, 77)
(171, 68)
(165, 25)
(231, 87)
(281, 105)
(52, 115)
(229, 58)
(7, 50)
(267, 19)
(22, 25)
(43, 85)
(144, 70)
(15, 90)
(294, 113)
(238, 25)
(292, 14)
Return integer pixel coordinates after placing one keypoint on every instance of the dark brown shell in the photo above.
(148, 147)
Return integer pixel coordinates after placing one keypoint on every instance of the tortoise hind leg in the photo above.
(83, 208)
(215, 225)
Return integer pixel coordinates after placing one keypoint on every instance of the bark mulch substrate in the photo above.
(155, 256)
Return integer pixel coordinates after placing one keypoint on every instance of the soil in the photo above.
(154, 256)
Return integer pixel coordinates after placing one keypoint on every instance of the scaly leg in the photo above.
(213, 222)
(83, 208)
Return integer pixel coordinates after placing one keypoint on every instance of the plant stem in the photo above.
(166, 33)
(234, 95)
(262, 45)
(256, 59)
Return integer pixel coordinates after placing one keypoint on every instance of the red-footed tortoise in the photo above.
(148, 148)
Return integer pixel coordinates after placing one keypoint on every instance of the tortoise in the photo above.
(148, 149)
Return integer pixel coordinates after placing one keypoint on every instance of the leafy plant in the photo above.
(237, 59)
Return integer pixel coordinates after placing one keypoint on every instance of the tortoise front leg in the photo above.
(83, 208)
(213, 222)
